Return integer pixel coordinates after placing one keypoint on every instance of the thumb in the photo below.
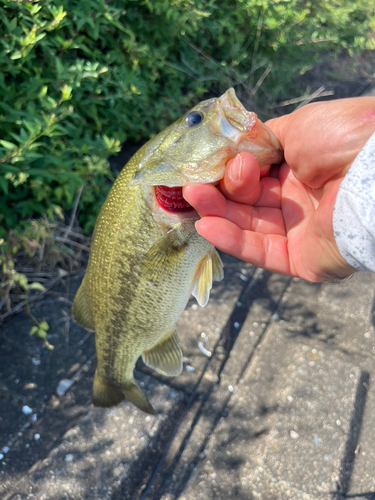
(241, 179)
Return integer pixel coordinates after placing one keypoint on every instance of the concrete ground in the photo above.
(283, 408)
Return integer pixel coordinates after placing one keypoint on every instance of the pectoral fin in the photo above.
(106, 395)
(217, 266)
(166, 356)
(81, 310)
(164, 256)
(210, 268)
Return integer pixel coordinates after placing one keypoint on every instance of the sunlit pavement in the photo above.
(275, 401)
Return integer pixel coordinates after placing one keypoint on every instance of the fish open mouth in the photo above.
(171, 199)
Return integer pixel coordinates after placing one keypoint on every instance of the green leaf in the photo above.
(44, 325)
(16, 55)
(33, 330)
(43, 91)
(22, 281)
(59, 68)
(40, 37)
(7, 144)
(42, 333)
(4, 184)
(37, 286)
(10, 264)
(66, 92)
(13, 24)
(58, 211)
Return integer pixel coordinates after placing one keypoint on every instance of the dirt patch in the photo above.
(29, 372)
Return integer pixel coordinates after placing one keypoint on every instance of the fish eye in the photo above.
(194, 118)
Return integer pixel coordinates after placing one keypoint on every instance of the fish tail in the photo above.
(106, 395)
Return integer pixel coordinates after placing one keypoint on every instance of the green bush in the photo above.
(79, 77)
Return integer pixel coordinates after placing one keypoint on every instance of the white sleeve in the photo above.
(354, 211)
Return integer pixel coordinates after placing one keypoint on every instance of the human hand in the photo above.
(321, 140)
(283, 221)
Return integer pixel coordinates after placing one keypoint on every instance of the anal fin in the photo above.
(209, 269)
(106, 395)
(166, 356)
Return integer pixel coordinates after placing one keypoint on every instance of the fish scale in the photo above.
(145, 261)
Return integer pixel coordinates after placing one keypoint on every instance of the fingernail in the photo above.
(235, 168)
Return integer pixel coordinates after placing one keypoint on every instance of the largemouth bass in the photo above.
(146, 257)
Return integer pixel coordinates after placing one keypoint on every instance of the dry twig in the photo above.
(305, 97)
(314, 95)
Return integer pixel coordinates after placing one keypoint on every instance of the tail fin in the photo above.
(106, 395)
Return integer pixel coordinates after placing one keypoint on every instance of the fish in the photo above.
(146, 258)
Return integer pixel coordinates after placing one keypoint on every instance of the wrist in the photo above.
(319, 248)
(335, 267)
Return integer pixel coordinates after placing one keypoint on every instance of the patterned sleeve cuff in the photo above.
(354, 211)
